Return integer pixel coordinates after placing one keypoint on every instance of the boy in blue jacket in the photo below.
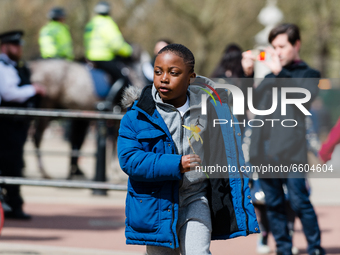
(169, 207)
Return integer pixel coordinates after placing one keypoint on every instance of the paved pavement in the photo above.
(69, 221)
(74, 222)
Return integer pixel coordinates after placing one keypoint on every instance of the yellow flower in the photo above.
(194, 132)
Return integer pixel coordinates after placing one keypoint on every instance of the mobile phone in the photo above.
(259, 55)
(262, 56)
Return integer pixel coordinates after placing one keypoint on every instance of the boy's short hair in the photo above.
(291, 30)
(181, 51)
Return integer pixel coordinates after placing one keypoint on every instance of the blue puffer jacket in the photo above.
(146, 153)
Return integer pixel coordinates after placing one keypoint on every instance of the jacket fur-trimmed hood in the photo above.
(130, 95)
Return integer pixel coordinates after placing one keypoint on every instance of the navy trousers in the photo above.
(299, 200)
(13, 134)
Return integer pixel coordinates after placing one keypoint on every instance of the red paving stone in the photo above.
(102, 227)
(82, 226)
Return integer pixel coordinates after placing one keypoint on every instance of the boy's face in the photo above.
(172, 78)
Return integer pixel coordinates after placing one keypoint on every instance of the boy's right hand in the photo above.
(189, 162)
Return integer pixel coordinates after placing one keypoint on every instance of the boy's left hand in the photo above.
(189, 162)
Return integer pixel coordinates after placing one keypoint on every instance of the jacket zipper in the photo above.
(242, 181)
(173, 184)
(182, 123)
(173, 188)
(173, 213)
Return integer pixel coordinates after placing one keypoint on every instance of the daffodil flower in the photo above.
(194, 132)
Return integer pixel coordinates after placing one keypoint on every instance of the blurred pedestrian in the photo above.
(328, 146)
(160, 44)
(230, 63)
(104, 42)
(54, 38)
(16, 90)
(230, 69)
(148, 66)
(277, 145)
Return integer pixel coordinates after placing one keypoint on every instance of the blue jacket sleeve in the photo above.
(141, 165)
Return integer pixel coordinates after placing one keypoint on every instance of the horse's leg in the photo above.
(40, 126)
(77, 137)
(115, 138)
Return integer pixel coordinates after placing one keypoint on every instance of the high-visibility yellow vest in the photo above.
(55, 41)
(103, 40)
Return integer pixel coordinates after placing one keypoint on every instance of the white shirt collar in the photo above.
(7, 60)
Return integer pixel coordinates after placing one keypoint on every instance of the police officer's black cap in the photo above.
(11, 37)
(57, 13)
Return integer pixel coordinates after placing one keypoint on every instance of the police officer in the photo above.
(54, 39)
(16, 90)
(55, 42)
(104, 41)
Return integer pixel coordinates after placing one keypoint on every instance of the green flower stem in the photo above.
(195, 153)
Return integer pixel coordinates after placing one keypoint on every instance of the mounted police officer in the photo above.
(16, 90)
(55, 42)
(104, 42)
(54, 39)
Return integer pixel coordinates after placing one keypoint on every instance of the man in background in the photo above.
(277, 145)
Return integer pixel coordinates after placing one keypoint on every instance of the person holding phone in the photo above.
(277, 145)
